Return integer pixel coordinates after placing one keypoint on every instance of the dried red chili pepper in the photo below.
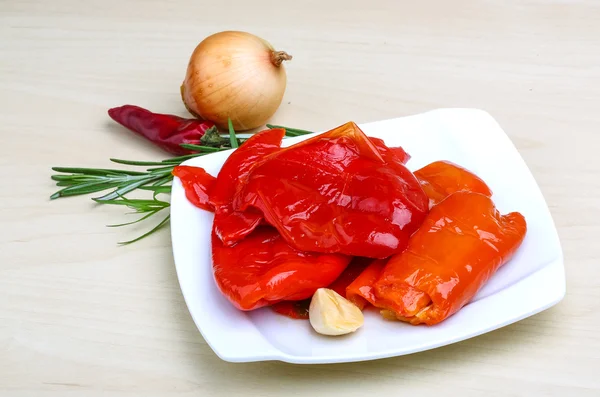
(165, 130)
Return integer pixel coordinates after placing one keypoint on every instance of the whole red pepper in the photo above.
(165, 130)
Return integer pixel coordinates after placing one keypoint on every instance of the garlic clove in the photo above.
(332, 314)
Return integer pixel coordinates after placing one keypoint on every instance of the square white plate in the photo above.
(531, 282)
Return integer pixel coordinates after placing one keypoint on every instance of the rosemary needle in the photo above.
(290, 131)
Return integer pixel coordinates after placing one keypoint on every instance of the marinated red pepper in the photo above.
(388, 153)
(438, 179)
(354, 269)
(442, 178)
(262, 269)
(346, 186)
(361, 291)
(197, 184)
(299, 309)
(462, 243)
(335, 193)
(165, 130)
(231, 225)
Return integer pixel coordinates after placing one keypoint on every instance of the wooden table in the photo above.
(80, 315)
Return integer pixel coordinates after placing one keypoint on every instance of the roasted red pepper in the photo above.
(165, 130)
(388, 153)
(354, 269)
(361, 291)
(462, 243)
(442, 178)
(262, 269)
(232, 225)
(335, 193)
(438, 179)
(342, 192)
(299, 309)
(197, 184)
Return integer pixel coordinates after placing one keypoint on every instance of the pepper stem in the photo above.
(277, 57)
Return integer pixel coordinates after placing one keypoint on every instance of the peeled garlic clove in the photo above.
(332, 314)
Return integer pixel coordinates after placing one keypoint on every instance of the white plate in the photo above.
(531, 282)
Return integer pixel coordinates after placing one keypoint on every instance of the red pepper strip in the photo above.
(354, 269)
(442, 178)
(232, 225)
(335, 193)
(165, 130)
(388, 152)
(298, 310)
(197, 184)
(462, 243)
(360, 291)
(262, 269)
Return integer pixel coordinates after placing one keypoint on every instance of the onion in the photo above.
(235, 75)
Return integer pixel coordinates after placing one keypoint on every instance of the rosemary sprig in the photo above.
(150, 207)
(79, 181)
(76, 181)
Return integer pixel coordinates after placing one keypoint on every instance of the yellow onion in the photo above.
(235, 75)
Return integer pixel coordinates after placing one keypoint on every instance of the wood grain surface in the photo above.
(81, 316)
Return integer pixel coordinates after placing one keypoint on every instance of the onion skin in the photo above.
(235, 75)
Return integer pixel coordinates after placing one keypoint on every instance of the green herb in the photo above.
(290, 131)
(232, 137)
(213, 138)
(79, 181)
(206, 149)
(149, 207)
(76, 181)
